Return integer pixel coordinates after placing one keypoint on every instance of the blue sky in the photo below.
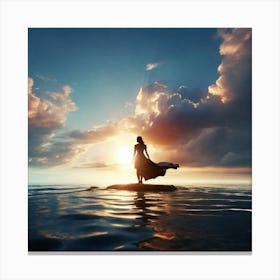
(187, 91)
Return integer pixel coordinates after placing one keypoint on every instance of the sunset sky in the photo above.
(186, 91)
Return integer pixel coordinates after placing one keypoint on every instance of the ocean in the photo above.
(203, 218)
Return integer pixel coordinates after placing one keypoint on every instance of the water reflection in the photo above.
(141, 204)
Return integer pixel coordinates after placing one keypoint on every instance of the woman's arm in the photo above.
(147, 152)
(134, 153)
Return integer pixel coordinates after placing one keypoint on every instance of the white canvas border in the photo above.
(262, 16)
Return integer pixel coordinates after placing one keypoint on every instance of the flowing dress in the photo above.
(145, 167)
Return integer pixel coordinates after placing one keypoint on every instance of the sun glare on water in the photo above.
(124, 155)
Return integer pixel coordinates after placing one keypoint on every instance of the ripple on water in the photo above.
(79, 216)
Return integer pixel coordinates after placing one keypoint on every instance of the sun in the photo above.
(124, 155)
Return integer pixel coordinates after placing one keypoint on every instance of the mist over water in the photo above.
(192, 218)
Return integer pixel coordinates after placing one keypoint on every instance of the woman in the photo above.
(145, 168)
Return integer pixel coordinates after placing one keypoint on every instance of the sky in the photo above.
(92, 91)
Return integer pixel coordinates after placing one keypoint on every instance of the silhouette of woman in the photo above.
(145, 168)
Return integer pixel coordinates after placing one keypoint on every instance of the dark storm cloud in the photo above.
(193, 94)
(218, 146)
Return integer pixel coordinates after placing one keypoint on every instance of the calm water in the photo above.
(193, 218)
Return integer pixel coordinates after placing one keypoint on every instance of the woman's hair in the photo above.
(140, 140)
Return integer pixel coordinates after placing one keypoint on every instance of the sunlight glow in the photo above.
(124, 155)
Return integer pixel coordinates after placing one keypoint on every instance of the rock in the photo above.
(143, 187)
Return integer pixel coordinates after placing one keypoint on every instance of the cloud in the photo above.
(51, 110)
(45, 78)
(95, 165)
(236, 67)
(216, 146)
(168, 117)
(95, 135)
(151, 66)
(54, 153)
(47, 114)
